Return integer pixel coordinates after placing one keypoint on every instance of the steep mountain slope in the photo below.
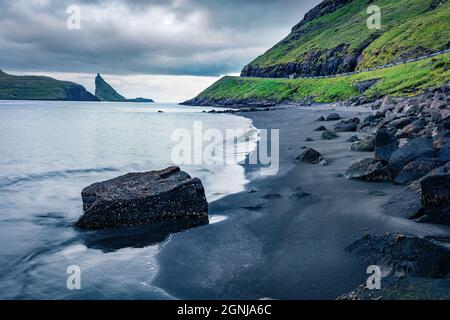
(41, 88)
(105, 92)
(405, 79)
(334, 38)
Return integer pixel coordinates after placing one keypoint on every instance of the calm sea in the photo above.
(50, 151)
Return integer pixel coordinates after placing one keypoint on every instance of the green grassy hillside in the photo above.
(406, 79)
(41, 88)
(334, 38)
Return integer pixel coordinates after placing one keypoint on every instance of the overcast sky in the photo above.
(168, 50)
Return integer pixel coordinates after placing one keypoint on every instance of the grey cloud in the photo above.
(175, 37)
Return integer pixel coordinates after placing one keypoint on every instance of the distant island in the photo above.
(14, 87)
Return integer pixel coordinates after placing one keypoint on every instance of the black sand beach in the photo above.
(291, 243)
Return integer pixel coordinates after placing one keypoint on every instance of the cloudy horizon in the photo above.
(168, 50)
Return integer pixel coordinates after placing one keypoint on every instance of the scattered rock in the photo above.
(417, 169)
(329, 135)
(321, 128)
(350, 125)
(333, 117)
(144, 198)
(309, 140)
(321, 119)
(272, 196)
(369, 170)
(365, 145)
(353, 139)
(303, 195)
(254, 205)
(310, 156)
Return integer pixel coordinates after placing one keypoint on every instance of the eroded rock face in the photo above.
(144, 198)
(369, 170)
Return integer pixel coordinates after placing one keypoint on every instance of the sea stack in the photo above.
(105, 92)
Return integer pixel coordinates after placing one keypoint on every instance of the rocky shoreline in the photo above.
(410, 139)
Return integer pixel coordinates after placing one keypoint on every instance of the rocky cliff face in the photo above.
(317, 63)
(105, 92)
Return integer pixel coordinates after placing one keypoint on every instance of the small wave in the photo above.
(36, 177)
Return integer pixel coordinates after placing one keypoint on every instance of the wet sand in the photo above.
(294, 246)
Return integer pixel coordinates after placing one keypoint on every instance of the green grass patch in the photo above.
(406, 79)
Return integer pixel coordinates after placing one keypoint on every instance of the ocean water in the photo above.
(50, 151)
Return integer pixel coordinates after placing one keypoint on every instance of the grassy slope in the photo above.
(398, 80)
(407, 27)
(32, 88)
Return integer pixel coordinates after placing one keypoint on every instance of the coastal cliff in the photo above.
(41, 88)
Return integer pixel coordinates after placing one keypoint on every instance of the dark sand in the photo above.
(294, 247)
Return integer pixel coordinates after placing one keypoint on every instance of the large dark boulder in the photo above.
(436, 198)
(417, 169)
(310, 156)
(333, 117)
(385, 144)
(369, 170)
(144, 198)
(404, 254)
(412, 150)
(350, 125)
